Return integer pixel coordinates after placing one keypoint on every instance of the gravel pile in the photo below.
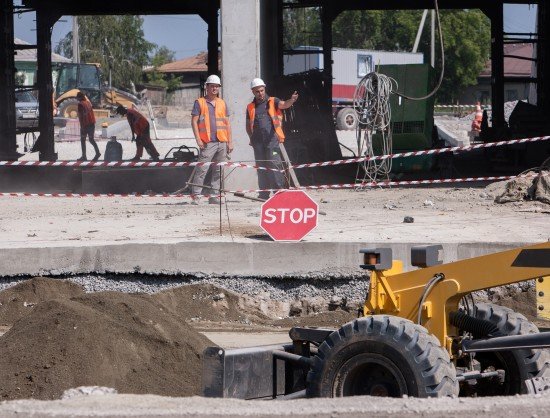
(288, 289)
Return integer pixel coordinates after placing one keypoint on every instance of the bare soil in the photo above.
(129, 342)
(58, 337)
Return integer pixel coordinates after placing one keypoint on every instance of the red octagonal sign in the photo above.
(289, 215)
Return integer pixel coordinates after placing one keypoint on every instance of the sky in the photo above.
(186, 35)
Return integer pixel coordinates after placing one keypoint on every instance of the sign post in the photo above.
(289, 215)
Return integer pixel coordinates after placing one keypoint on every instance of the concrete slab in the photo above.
(168, 235)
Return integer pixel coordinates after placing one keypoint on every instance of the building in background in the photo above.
(25, 64)
(192, 71)
(518, 68)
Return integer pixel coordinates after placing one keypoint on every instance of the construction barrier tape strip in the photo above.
(255, 167)
(320, 187)
(127, 164)
(464, 105)
(424, 152)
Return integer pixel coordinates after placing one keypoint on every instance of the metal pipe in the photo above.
(293, 358)
(514, 342)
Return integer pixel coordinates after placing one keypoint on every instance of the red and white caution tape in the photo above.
(423, 152)
(256, 167)
(129, 164)
(320, 187)
(462, 105)
(179, 195)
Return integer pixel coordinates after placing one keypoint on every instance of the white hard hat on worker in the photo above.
(257, 82)
(213, 79)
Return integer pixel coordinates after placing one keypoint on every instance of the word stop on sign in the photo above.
(284, 215)
(289, 215)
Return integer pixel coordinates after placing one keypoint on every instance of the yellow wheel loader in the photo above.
(420, 334)
(72, 78)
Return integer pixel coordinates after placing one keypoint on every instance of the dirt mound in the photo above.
(333, 319)
(18, 301)
(206, 302)
(128, 342)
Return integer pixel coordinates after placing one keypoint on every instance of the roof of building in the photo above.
(513, 66)
(29, 55)
(194, 64)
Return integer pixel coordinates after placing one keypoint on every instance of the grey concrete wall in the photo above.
(240, 22)
(218, 258)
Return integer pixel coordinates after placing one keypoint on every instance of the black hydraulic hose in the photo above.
(479, 328)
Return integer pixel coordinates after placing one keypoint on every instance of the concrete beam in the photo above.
(266, 259)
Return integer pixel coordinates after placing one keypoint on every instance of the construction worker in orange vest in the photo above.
(210, 123)
(86, 118)
(140, 132)
(265, 130)
(478, 117)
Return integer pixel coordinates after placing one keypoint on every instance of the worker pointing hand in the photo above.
(264, 126)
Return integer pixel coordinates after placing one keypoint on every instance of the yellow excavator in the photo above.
(70, 78)
(420, 334)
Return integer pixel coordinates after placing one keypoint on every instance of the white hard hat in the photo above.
(213, 79)
(257, 82)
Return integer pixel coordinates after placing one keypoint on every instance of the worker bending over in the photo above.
(86, 118)
(265, 130)
(210, 122)
(140, 132)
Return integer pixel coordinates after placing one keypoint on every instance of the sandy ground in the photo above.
(157, 406)
(441, 215)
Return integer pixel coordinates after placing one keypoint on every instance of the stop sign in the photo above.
(289, 215)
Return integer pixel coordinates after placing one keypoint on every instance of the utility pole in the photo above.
(76, 41)
(420, 29)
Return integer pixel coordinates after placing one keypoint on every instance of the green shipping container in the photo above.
(411, 120)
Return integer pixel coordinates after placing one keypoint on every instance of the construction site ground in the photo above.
(137, 287)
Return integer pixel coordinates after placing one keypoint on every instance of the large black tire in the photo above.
(381, 356)
(518, 365)
(346, 119)
(69, 108)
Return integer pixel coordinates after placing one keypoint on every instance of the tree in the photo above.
(466, 35)
(163, 56)
(116, 42)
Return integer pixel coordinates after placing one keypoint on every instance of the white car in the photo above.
(26, 111)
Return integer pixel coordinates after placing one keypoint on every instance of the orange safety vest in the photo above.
(222, 121)
(276, 117)
(137, 121)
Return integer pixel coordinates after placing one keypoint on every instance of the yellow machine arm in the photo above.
(438, 289)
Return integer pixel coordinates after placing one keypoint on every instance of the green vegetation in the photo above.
(119, 45)
(169, 81)
(466, 36)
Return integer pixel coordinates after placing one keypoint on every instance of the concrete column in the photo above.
(7, 81)
(212, 22)
(497, 64)
(44, 22)
(240, 40)
(543, 55)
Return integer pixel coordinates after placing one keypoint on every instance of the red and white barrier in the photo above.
(255, 167)
(242, 165)
(319, 187)
(424, 152)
